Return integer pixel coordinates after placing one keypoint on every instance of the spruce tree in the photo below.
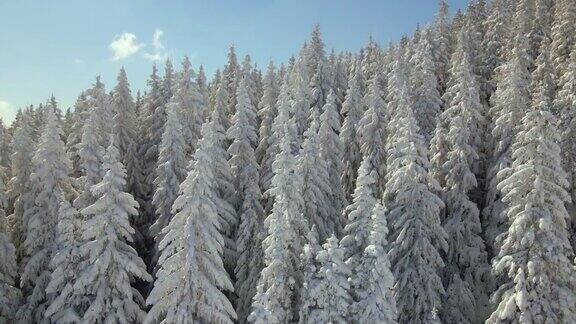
(9, 293)
(266, 113)
(191, 279)
(278, 287)
(563, 38)
(68, 303)
(49, 179)
(331, 298)
(331, 151)
(110, 264)
(247, 199)
(352, 109)
(535, 255)
(427, 100)
(171, 171)
(316, 184)
(466, 261)
(375, 300)
(416, 233)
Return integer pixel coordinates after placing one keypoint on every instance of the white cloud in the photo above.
(78, 61)
(156, 39)
(124, 46)
(159, 53)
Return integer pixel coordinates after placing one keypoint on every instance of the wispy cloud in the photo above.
(159, 53)
(123, 46)
(78, 61)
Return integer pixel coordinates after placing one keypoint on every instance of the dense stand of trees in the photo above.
(430, 180)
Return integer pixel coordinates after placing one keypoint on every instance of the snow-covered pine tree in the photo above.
(372, 132)
(9, 292)
(5, 149)
(90, 156)
(565, 102)
(375, 302)
(79, 117)
(427, 100)
(352, 109)
(170, 173)
(223, 174)
(494, 44)
(266, 113)
(563, 37)
(310, 280)
(535, 255)
(357, 230)
(230, 77)
(442, 45)
(316, 184)
(49, 179)
(204, 90)
(279, 285)
(19, 186)
(466, 271)
(249, 233)
(509, 102)
(68, 303)
(125, 127)
(190, 106)
(191, 279)
(541, 26)
(110, 264)
(300, 97)
(416, 233)
(276, 134)
(331, 151)
(331, 298)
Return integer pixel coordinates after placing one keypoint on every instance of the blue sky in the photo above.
(59, 46)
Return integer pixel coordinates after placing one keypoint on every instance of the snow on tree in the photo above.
(90, 157)
(427, 100)
(247, 199)
(190, 106)
(19, 186)
(300, 97)
(331, 151)
(442, 45)
(563, 37)
(68, 303)
(276, 134)
(266, 113)
(331, 297)
(375, 303)
(224, 179)
(231, 75)
(203, 88)
(357, 230)
(191, 280)
(372, 132)
(316, 184)
(416, 233)
(170, 173)
(110, 264)
(541, 26)
(9, 292)
(49, 179)
(77, 128)
(466, 269)
(124, 120)
(279, 285)
(494, 44)
(5, 149)
(509, 102)
(535, 256)
(565, 102)
(247, 75)
(310, 268)
(167, 86)
(352, 109)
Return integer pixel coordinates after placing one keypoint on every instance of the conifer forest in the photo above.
(430, 180)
